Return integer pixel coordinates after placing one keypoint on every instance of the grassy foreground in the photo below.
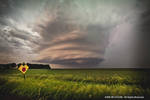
(43, 84)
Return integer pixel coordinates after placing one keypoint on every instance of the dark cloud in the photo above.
(82, 61)
(65, 36)
(143, 34)
(132, 50)
(5, 6)
(74, 32)
(15, 38)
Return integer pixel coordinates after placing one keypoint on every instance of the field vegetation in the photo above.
(44, 84)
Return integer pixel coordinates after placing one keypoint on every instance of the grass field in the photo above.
(43, 84)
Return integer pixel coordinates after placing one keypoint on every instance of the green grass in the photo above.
(43, 84)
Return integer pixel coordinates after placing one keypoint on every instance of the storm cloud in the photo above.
(75, 33)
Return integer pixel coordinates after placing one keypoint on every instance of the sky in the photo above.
(76, 33)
